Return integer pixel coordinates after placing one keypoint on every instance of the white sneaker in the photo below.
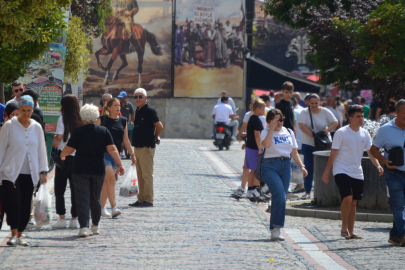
(31, 224)
(95, 230)
(12, 241)
(116, 212)
(276, 235)
(252, 194)
(61, 223)
(83, 232)
(105, 213)
(21, 242)
(73, 223)
(238, 189)
(265, 189)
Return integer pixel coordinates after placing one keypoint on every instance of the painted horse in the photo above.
(115, 42)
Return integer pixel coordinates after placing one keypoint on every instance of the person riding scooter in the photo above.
(223, 113)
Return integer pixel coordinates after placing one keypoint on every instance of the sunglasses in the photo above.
(16, 90)
(140, 97)
(281, 120)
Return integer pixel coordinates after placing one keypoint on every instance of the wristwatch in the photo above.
(42, 172)
(302, 166)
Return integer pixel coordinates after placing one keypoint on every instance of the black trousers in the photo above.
(88, 190)
(17, 201)
(61, 178)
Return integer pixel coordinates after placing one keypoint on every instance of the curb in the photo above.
(334, 215)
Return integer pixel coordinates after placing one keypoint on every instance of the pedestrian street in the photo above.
(195, 223)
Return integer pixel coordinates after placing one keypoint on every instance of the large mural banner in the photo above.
(134, 52)
(209, 46)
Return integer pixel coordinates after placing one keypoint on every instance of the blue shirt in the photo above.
(2, 113)
(390, 136)
(230, 103)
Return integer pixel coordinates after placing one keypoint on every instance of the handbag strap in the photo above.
(310, 116)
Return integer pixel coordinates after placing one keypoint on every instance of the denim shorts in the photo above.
(109, 161)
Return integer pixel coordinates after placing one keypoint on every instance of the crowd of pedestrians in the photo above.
(331, 123)
(88, 142)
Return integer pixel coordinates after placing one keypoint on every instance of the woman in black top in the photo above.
(90, 142)
(117, 126)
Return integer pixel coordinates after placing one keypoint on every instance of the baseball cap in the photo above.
(122, 94)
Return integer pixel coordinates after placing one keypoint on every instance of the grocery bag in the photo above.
(296, 173)
(43, 204)
(129, 186)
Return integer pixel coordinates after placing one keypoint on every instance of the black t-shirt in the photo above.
(38, 119)
(374, 106)
(143, 134)
(39, 112)
(116, 129)
(287, 108)
(90, 142)
(254, 124)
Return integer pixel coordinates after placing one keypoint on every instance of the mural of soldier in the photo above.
(209, 47)
(179, 43)
(193, 36)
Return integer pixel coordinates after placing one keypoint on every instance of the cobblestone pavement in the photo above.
(195, 224)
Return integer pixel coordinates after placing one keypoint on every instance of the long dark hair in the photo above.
(71, 115)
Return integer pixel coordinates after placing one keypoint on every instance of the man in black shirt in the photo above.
(286, 106)
(145, 136)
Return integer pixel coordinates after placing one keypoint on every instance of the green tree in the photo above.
(26, 29)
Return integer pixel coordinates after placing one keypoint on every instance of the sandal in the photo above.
(345, 234)
(355, 236)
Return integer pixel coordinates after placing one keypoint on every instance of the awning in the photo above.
(262, 75)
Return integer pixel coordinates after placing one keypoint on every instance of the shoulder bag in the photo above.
(55, 154)
(396, 155)
(321, 140)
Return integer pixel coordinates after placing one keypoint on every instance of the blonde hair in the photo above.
(108, 104)
(258, 103)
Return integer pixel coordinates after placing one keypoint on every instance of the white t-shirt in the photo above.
(263, 119)
(297, 111)
(60, 129)
(14, 100)
(222, 113)
(351, 146)
(282, 143)
(247, 116)
(335, 113)
(321, 120)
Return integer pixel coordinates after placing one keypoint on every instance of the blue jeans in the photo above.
(276, 172)
(308, 151)
(396, 185)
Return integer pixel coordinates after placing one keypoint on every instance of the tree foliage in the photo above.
(26, 29)
(77, 52)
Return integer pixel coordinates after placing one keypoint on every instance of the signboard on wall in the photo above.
(209, 48)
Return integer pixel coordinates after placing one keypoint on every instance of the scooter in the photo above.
(222, 136)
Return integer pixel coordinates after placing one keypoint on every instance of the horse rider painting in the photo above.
(125, 14)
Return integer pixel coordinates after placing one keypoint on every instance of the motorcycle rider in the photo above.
(125, 14)
(223, 113)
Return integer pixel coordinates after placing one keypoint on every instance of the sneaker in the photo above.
(238, 193)
(235, 190)
(105, 213)
(31, 224)
(135, 204)
(83, 232)
(73, 223)
(146, 204)
(252, 194)
(265, 189)
(23, 235)
(395, 241)
(21, 242)
(95, 230)
(276, 235)
(12, 241)
(116, 212)
(61, 223)
(306, 197)
(298, 189)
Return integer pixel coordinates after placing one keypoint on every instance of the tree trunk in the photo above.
(2, 99)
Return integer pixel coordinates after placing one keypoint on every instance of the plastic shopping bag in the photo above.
(43, 204)
(296, 173)
(129, 187)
